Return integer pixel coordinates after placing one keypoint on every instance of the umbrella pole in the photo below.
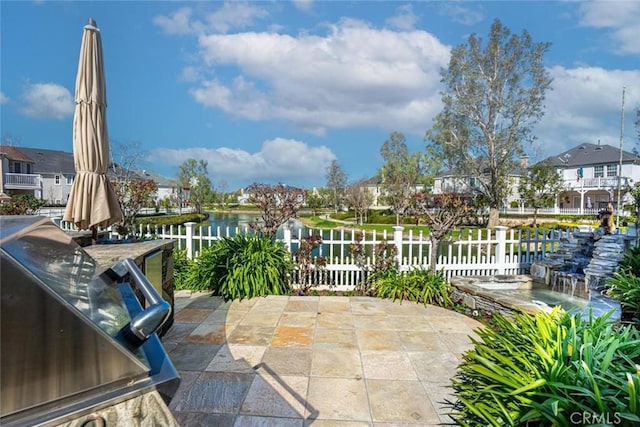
(94, 235)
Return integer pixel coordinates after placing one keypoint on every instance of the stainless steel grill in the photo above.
(74, 338)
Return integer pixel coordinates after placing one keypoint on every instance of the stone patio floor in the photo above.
(321, 361)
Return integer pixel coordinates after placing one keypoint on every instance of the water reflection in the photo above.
(232, 220)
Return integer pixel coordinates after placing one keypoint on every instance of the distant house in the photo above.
(16, 173)
(45, 174)
(48, 175)
(451, 181)
(57, 172)
(592, 175)
(167, 188)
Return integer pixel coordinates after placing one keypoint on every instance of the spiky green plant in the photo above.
(243, 266)
(545, 370)
(181, 267)
(625, 287)
(416, 285)
(631, 260)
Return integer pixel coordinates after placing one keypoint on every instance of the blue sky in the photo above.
(273, 91)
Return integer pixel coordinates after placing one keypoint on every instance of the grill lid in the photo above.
(60, 320)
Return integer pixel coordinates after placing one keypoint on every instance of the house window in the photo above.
(69, 179)
(612, 170)
(56, 180)
(598, 171)
(16, 167)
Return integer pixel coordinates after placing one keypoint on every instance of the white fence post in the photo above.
(189, 227)
(397, 240)
(286, 231)
(501, 248)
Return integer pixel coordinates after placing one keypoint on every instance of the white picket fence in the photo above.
(482, 252)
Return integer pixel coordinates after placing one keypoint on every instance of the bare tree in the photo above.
(132, 190)
(277, 204)
(359, 198)
(441, 212)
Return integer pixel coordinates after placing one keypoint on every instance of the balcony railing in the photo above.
(597, 183)
(21, 180)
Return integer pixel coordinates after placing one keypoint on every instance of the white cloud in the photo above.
(279, 160)
(585, 106)
(179, 22)
(3, 98)
(405, 19)
(621, 17)
(461, 14)
(229, 16)
(303, 4)
(353, 76)
(47, 101)
(190, 74)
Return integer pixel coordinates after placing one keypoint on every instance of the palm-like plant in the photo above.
(243, 266)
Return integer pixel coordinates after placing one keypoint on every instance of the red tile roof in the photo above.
(14, 153)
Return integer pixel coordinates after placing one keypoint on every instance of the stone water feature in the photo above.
(582, 263)
(573, 276)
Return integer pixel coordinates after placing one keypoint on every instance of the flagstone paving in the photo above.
(313, 361)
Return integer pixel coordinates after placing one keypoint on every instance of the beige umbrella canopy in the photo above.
(92, 201)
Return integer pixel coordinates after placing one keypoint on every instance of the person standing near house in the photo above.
(606, 220)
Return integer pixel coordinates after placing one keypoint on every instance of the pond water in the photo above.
(242, 220)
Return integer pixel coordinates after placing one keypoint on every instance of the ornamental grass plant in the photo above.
(551, 369)
(242, 266)
(624, 285)
(417, 285)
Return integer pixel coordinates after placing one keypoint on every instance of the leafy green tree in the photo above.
(318, 199)
(540, 187)
(336, 183)
(400, 174)
(22, 204)
(637, 124)
(193, 174)
(493, 97)
(635, 195)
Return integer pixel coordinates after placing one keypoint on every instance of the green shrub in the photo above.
(181, 267)
(22, 204)
(416, 285)
(243, 266)
(631, 261)
(625, 287)
(625, 284)
(548, 370)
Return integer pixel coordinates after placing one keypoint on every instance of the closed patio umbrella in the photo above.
(92, 201)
